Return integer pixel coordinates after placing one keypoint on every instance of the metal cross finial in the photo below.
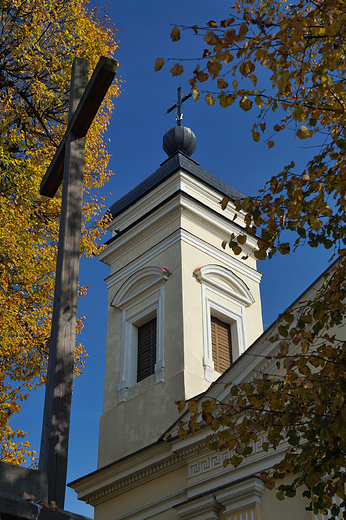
(178, 104)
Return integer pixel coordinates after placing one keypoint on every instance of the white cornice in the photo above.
(205, 507)
(108, 483)
(180, 205)
(185, 236)
(180, 181)
(205, 472)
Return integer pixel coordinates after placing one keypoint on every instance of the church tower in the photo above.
(180, 308)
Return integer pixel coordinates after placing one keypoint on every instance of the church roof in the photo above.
(178, 161)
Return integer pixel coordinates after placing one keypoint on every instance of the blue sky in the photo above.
(224, 148)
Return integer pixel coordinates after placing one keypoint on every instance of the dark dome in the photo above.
(179, 139)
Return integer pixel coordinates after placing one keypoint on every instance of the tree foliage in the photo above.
(38, 42)
(287, 62)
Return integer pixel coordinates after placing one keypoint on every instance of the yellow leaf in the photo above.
(210, 38)
(305, 345)
(245, 104)
(223, 101)
(260, 254)
(224, 202)
(246, 68)
(193, 406)
(283, 345)
(210, 100)
(175, 34)
(256, 136)
(195, 94)
(270, 144)
(177, 69)
(304, 132)
(237, 250)
(221, 83)
(315, 222)
(253, 79)
(181, 405)
(202, 76)
(227, 57)
(214, 67)
(242, 31)
(259, 102)
(284, 248)
(159, 64)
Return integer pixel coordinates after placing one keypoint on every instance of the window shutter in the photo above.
(146, 350)
(221, 344)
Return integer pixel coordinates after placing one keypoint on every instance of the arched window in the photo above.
(141, 301)
(224, 299)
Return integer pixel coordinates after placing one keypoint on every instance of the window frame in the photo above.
(142, 285)
(219, 281)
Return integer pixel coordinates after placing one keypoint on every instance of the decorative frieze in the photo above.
(216, 460)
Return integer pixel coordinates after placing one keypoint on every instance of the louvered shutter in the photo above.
(221, 344)
(146, 350)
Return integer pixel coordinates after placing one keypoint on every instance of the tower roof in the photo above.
(178, 161)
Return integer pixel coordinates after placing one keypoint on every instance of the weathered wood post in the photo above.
(68, 165)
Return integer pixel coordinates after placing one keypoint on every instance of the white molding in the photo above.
(203, 508)
(235, 291)
(241, 495)
(179, 181)
(131, 479)
(131, 293)
(181, 234)
(125, 296)
(180, 205)
(232, 285)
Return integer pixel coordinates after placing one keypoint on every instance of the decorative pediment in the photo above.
(139, 285)
(225, 280)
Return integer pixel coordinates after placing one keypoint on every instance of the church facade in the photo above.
(183, 316)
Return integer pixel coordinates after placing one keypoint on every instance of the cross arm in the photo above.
(81, 120)
(179, 102)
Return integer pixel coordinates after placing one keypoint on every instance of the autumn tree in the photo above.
(38, 42)
(287, 62)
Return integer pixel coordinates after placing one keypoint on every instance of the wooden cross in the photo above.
(178, 104)
(68, 165)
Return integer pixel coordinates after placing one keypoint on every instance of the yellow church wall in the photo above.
(138, 422)
(287, 509)
(146, 499)
(192, 311)
(214, 233)
(169, 259)
(144, 236)
(116, 443)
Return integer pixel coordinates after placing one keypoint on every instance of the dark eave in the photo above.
(178, 161)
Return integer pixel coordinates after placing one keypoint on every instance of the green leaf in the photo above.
(283, 331)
